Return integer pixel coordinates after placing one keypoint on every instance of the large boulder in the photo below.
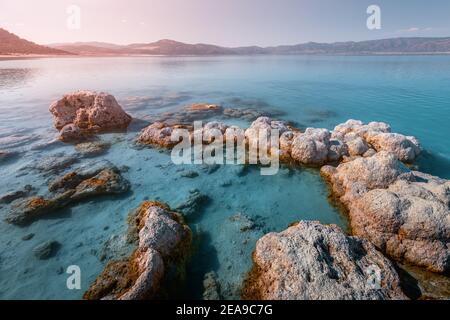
(311, 147)
(404, 213)
(84, 112)
(163, 243)
(311, 261)
(410, 221)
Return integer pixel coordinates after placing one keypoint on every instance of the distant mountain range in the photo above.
(170, 47)
(11, 44)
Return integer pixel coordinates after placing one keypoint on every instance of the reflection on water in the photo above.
(15, 78)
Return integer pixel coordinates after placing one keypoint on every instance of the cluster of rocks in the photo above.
(311, 261)
(404, 213)
(314, 146)
(163, 243)
(83, 113)
(88, 181)
(350, 139)
(392, 209)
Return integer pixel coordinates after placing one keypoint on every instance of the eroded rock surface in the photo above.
(311, 261)
(404, 213)
(163, 243)
(85, 112)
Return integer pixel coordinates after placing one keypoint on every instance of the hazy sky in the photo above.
(223, 22)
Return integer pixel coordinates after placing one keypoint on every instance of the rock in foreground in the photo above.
(404, 213)
(163, 243)
(86, 112)
(311, 261)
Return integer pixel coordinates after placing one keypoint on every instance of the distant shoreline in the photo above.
(37, 56)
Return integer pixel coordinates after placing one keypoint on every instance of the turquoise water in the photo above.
(409, 92)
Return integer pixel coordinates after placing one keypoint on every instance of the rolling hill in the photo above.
(10, 44)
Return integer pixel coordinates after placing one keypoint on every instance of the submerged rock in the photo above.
(211, 287)
(108, 181)
(163, 243)
(203, 107)
(245, 222)
(86, 112)
(311, 261)
(46, 250)
(7, 155)
(73, 187)
(74, 178)
(27, 210)
(12, 196)
(193, 204)
(402, 212)
(189, 174)
(53, 164)
(92, 149)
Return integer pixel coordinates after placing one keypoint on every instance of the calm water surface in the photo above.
(410, 93)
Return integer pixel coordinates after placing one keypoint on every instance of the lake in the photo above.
(411, 93)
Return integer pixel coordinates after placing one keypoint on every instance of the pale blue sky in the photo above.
(223, 22)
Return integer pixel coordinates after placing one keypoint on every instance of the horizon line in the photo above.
(241, 46)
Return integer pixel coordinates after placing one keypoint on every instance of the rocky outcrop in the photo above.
(163, 243)
(158, 134)
(404, 213)
(360, 137)
(72, 187)
(86, 112)
(405, 148)
(311, 261)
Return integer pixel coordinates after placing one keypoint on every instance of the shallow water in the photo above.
(410, 93)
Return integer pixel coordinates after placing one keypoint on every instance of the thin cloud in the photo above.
(414, 29)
